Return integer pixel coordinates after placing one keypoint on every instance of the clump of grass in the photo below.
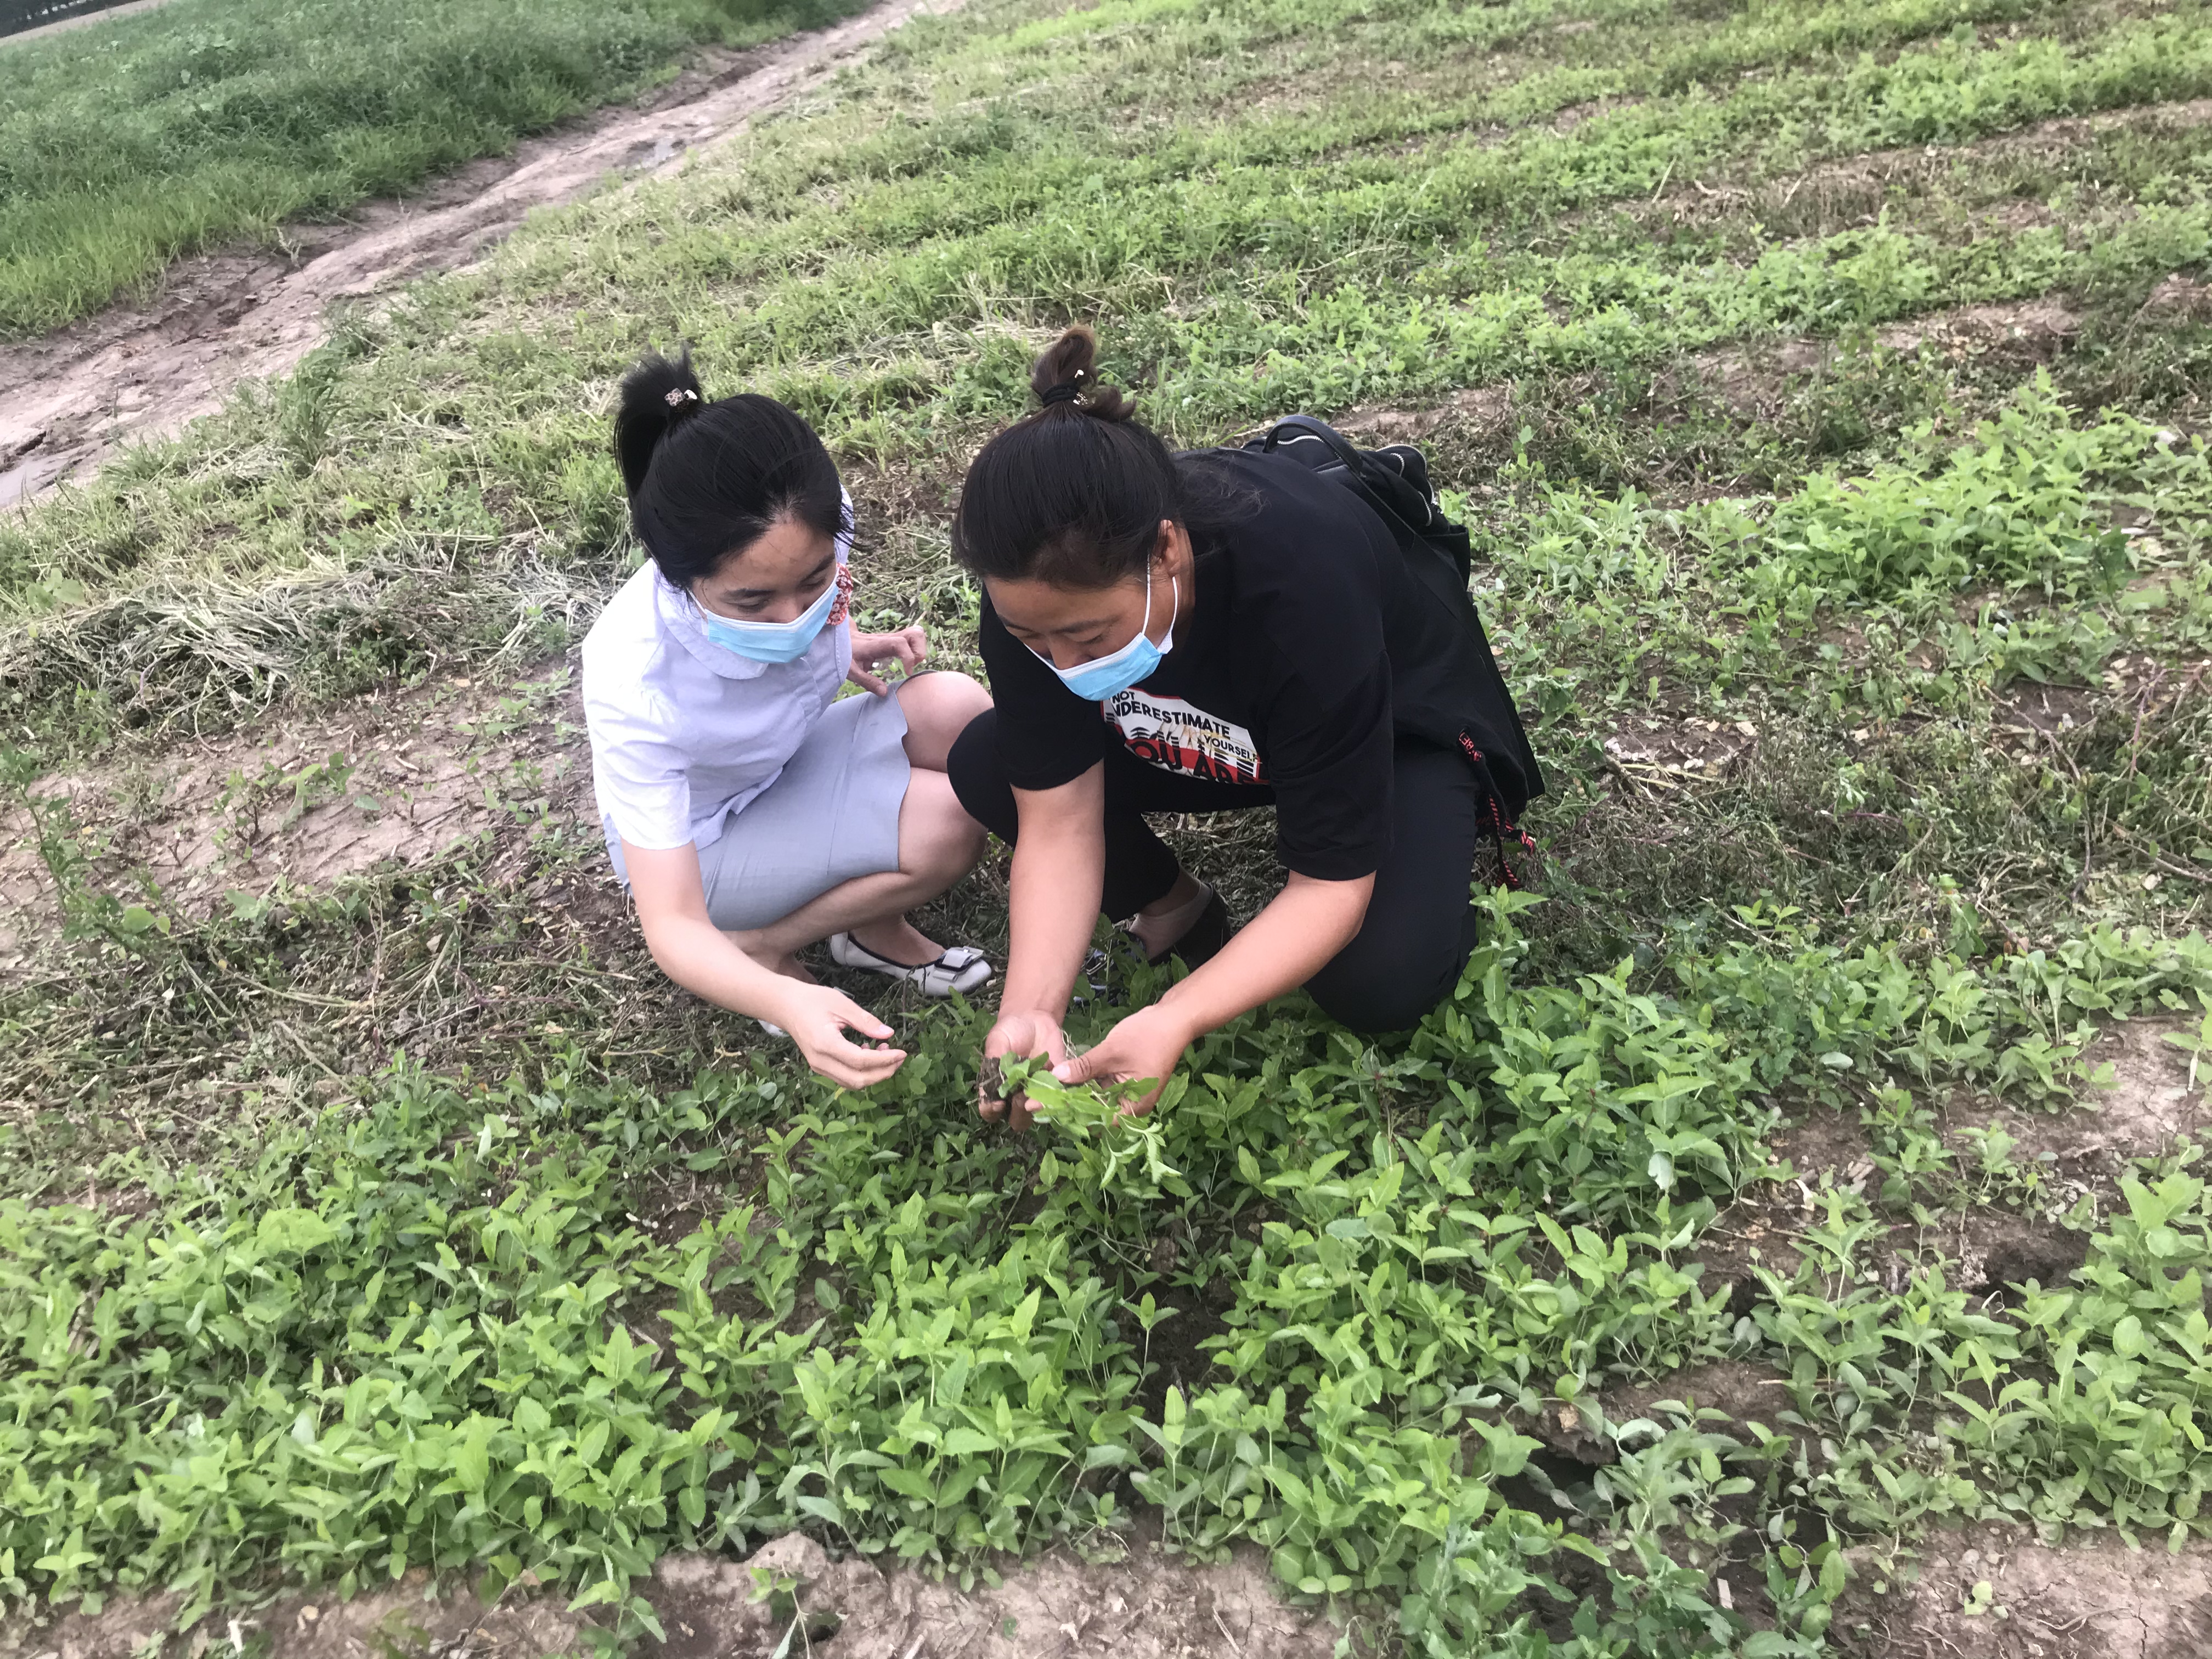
(126, 144)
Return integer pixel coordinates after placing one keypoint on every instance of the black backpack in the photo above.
(1475, 714)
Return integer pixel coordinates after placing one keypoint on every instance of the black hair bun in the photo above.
(1069, 361)
(656, 396)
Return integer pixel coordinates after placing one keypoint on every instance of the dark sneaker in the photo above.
(1094, 980)
(1203, 940)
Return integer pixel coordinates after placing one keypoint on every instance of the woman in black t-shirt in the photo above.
(1205, 633)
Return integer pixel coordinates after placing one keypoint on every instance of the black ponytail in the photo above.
(1074, 494)
(705, 480)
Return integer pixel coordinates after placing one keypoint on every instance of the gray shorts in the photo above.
(831, 814)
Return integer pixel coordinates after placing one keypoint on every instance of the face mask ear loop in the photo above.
(1175, 589)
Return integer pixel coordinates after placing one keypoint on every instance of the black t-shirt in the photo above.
(1280, 677)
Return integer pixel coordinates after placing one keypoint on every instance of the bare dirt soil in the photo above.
(416, 1616)
(1146, 1605)
(2090, 1597)
(404, 776)
(1743, 1392)
(1485, 410)
(1661, 753)
(2179, 297)
(1141, 1604)
(136, 372)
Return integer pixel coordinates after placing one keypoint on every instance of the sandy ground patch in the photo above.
(1994, 1593)
(1144, 1605)
(402, 775)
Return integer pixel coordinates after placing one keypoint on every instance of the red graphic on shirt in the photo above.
(841, 606)
(1177, 737)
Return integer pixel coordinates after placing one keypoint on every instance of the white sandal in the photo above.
(960, 968)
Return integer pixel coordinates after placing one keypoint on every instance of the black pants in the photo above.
(1420, 929)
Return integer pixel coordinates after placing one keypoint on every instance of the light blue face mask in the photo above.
(1111, 675)
(784, 641)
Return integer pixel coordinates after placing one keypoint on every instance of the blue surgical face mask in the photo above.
(1109, 676)
(784, 641)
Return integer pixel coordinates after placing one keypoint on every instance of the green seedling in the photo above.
(1116, 1147)
(2196, 1044)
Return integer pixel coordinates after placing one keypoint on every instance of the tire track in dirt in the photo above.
(132, 373)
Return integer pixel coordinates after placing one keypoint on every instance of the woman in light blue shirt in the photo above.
(750, 811)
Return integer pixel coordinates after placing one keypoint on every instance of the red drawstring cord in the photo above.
(1499, 828)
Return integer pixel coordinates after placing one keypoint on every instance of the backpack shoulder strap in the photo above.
(1294, 429)
(1395, 481)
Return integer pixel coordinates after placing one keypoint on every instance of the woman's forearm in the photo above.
(1302, 928)
(686, 946)
(1053, 906)
(703, 960)
(1058, 874)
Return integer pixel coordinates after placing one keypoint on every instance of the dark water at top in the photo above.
(16, 15)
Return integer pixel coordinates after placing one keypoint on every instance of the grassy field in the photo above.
(1826, 386)
(207, 122)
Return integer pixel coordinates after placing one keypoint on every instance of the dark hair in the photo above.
(1074, 494)
(708, 479)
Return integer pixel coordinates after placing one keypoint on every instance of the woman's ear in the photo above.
(1172, 554)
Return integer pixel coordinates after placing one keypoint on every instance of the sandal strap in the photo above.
(939, 978)
(891, 964)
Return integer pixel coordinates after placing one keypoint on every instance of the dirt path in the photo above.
(134, 373)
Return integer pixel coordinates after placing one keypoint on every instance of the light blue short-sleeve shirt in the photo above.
(685, 732)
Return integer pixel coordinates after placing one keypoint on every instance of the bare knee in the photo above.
(938, 707)
(937, 837)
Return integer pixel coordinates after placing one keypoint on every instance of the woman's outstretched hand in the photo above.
(818, 1017)
(1017, 1037)
(1148, 1045)
(906, 647)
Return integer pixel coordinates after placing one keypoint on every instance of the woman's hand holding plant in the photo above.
(818, 1017)
(1146, 1047)
(1016, 1036)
